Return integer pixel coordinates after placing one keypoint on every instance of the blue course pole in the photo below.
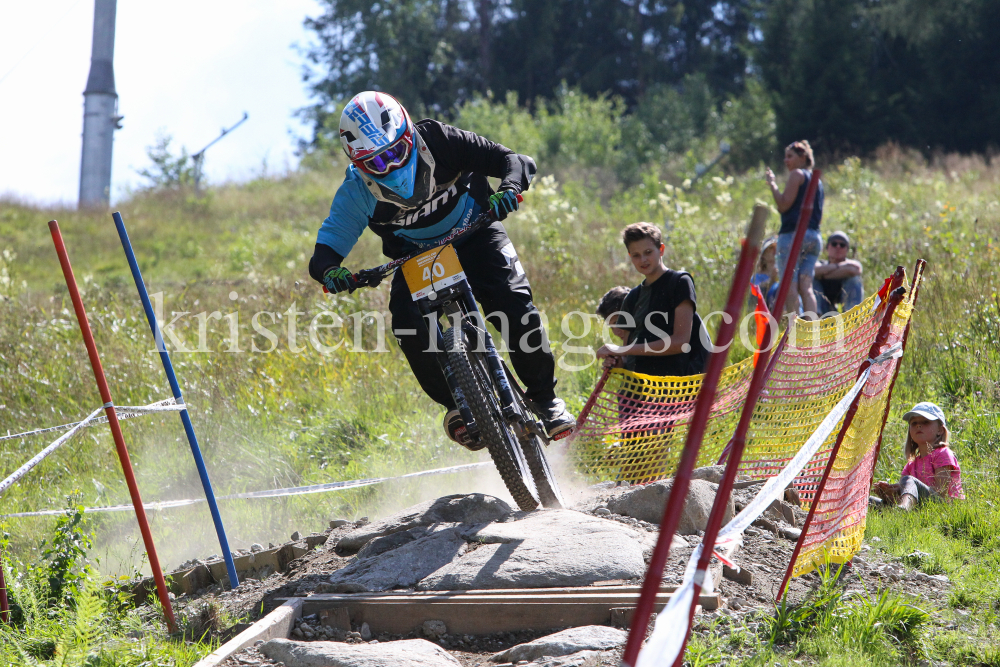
(175, 388)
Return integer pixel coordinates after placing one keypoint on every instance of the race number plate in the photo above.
(432, 271)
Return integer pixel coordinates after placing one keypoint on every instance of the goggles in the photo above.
(392, 158)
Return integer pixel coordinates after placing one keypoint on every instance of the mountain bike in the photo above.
(493, 406)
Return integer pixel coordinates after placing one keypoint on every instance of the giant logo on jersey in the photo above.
(428, 208)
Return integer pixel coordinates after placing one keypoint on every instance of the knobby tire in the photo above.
(541, 471)
(474, 380)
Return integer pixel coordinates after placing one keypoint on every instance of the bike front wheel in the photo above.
(473, 378)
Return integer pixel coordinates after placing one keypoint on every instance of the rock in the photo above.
(341, 587)
(404, 653)
(581, 659)
(471, 508)
(736, 603)
(366, 632)
(744, 576)
(647, 503)
(782, 512)
(574, 640)
(405, 566)
(296, 537)
(434, 629)
(380, 545)
(766, 524)
(711, 474)
(791, 534)
(338, 523)
(550, 548)
(602, 511)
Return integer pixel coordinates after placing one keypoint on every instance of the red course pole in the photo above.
(116, 432)
(582, 418)
(689, 456)
(4, 605)
(918, 272)
(880, 338)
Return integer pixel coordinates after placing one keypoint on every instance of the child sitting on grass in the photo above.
(666, 338)
(932, 470)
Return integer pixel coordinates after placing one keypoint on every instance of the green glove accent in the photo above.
(339, 279)
(503, 203)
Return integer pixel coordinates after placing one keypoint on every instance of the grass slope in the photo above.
(287, 417)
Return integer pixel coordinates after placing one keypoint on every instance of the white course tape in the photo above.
(123, 412)
(91, 419)
(270, 493)
(671, 627)
(37, 458)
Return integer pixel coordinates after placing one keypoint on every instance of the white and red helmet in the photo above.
(373, 124)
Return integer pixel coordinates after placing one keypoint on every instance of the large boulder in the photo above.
(405, 653)
(567, 642)
(471, 508)
(647, 503)
(711, 474)
(546, 549)
(403, 566)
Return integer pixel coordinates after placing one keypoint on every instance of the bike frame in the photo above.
(459, 300)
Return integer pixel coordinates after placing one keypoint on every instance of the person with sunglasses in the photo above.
(413, 184)
(838, 280)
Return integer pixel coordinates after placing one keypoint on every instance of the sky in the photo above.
(186, 68)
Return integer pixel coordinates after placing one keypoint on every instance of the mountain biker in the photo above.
(412, 184)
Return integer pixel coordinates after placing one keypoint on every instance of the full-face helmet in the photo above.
(377, 135)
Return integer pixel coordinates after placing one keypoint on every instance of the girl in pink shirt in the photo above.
(932, 469)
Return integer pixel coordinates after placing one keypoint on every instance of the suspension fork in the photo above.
(493, 359)
(456, 391)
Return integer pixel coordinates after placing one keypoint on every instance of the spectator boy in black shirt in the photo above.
(665, 327)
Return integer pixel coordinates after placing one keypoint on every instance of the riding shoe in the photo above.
(556, 419)
(454, 428)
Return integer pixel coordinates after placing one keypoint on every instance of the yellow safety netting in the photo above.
(638, 424)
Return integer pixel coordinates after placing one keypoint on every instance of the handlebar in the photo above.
(374, 276)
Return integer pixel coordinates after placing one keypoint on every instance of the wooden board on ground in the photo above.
(277, 624)
(484, 612)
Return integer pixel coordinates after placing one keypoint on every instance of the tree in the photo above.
(168, 170)
(420, 51)
(434, 55)
(853, 74)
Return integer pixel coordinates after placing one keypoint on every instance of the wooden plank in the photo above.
(278, 623)
(483, 612)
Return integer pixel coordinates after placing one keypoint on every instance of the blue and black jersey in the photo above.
(451, 191)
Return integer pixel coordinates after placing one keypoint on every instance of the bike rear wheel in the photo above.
(473, 377)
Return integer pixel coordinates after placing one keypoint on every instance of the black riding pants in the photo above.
(500, 286)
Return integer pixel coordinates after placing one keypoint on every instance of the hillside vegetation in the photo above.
(285, 418)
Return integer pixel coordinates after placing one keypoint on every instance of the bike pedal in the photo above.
(457, 431)
(565, 433)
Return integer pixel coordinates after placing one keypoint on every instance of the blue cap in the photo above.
(927, 410)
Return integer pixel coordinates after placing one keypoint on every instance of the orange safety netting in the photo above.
(638, 424)
(838, 523)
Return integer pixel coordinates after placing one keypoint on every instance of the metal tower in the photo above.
(100, 110)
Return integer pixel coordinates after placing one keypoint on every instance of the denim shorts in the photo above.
(811, 246)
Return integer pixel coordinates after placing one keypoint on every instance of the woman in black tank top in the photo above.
(799, 161)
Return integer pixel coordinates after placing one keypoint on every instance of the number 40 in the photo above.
(438, 270)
